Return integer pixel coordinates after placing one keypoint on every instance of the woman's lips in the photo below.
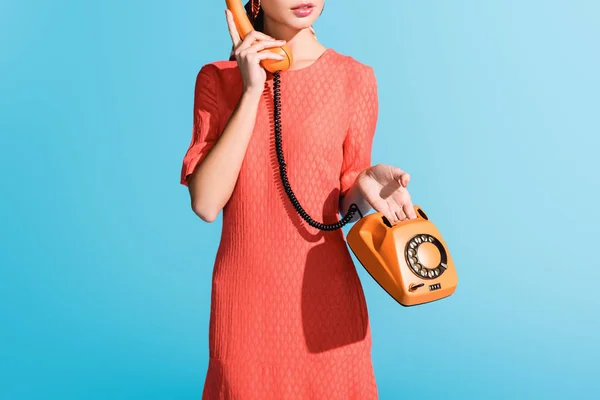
(303, 10)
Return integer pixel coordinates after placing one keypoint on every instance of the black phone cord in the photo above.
(353, 209)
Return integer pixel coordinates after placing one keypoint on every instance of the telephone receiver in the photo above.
(244, 26)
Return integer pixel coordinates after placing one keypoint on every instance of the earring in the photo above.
(255, 9)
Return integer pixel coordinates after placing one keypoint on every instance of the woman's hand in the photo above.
(248, 56)
(384, 187)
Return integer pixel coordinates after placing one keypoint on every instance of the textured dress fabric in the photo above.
(288, 317)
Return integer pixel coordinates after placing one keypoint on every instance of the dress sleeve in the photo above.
(206, 123)
(363, 120)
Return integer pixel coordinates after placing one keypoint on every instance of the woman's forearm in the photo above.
(353, 195)
(212, 182)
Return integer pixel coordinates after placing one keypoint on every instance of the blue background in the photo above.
(492, 106)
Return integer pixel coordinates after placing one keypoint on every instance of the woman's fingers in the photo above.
(404, 179)
(400, 176)
(409, 209)
(261, 36)
(399, 212)
(396, 208)
(401, 208)
(390, 210)
(391, 216)
(235, 36)
(263, 44)
(404, 201)
(252, 37)
(267, 55)
(378, 204)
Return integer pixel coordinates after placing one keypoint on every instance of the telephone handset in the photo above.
(243, 25)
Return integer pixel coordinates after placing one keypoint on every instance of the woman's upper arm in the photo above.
(361, 130)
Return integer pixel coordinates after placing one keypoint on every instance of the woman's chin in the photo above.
(298, 25)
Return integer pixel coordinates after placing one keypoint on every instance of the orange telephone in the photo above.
(409, 260)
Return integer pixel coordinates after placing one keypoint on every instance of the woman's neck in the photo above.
(303, 44)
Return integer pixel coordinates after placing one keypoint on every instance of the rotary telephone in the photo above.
(409, 260)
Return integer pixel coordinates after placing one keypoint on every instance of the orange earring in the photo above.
(255, 9)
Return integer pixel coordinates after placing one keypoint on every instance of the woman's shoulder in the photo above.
(219, 66)
(349, 59)
(218, 75)
(358, 71)
(219, 69)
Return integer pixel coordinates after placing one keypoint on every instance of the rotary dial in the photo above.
(426, 256)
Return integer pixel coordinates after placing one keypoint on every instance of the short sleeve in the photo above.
(206, 123)
(361, 130)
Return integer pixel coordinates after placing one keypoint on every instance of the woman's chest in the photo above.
(306, 126)
(310, 118)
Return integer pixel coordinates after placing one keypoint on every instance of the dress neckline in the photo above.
(311, 66)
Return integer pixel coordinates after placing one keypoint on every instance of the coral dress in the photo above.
(288, 316)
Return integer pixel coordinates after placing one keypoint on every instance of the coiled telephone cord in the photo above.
(353, 209)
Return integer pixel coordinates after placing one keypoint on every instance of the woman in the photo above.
(288, 314)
